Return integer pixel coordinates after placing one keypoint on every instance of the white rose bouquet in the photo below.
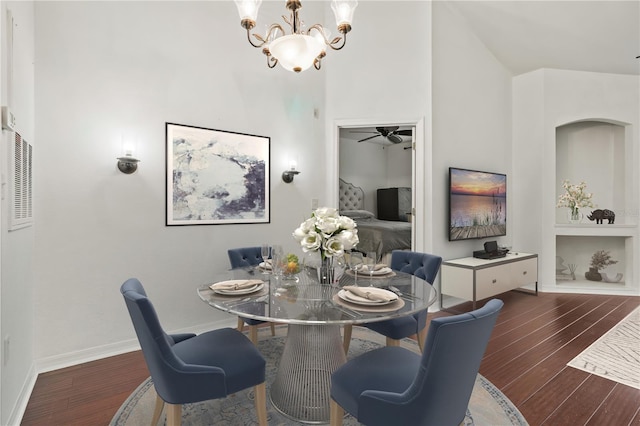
(327, 232)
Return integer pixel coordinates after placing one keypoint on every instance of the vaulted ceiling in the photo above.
(598, 36)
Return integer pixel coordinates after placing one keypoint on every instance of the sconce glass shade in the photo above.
(343, 11)
(296, 52)
(248, 9)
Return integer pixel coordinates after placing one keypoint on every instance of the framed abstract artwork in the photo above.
(216, 177)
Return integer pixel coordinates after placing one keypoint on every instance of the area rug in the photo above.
(615, 355)
(488, 406)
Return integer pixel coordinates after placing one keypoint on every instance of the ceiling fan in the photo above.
(391, 133)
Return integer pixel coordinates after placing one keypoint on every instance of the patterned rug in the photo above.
(616, 355)
(488, 406)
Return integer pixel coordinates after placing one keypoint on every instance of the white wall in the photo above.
(471, 120)
(110, 68)
(17, 282)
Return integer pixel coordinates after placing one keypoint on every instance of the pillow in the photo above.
(358, 214)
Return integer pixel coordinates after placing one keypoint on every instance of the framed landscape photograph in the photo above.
(216, 177)
(477, 204)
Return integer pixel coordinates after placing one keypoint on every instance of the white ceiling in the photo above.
(598, 36)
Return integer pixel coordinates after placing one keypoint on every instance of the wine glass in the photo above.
(355, 262)
(370, 261)
(265, 250)
(277, 257)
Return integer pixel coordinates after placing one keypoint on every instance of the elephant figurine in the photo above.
(599, 215)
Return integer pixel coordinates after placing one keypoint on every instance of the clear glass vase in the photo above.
(326, 271)
(575, 215)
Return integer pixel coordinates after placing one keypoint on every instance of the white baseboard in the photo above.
(90, 354)
(57, 362)
(15, 417)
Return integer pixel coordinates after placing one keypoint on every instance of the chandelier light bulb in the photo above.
(343, 11)
(248, 10)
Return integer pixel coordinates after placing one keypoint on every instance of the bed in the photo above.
(381, 236)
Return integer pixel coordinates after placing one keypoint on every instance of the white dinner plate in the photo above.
(352, 298)
(258, 286)
(381, 271)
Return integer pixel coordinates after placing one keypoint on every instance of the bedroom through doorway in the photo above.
(376, 185)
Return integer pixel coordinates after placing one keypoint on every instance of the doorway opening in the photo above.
(382, 159)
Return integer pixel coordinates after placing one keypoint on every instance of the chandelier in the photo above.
(302, 48)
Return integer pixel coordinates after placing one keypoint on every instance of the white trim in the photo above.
(17, 412)
(423, 173)
(44, 365)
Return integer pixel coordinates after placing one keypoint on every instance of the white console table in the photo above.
(475, 279)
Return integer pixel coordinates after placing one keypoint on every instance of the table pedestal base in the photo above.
(303, 381)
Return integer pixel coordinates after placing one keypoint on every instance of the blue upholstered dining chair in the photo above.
(393, 385)
(186, 368)
(422, 265)
(240, 258)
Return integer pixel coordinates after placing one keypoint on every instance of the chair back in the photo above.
(244, 256)
(450, 362)
(422, 265)
(156, 345)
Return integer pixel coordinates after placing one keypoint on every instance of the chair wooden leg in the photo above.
(336, 413)
(240, 324)
(422, 335)
(157, 410)
(392, 342)
(273, 329)
(261, 403)
(346, 338)
(253, 334)
(174, 414)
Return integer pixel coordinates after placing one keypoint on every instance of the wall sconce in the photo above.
(287, 175)
(128, 164)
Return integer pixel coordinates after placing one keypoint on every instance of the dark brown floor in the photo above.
(533, 340)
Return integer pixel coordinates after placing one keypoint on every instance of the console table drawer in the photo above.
(494, 280)
(524, 272)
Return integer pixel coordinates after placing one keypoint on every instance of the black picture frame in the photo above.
(216, 177)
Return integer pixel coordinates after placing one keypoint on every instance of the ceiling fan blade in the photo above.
(406, 132)
(394, 138)
(359, 131)
(370, 137)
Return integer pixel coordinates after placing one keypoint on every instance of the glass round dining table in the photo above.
(314, 313)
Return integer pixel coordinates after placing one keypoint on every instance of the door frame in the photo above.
(421, 173)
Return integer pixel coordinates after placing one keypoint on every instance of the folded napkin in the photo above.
(364, 293)
(236, 285)
(266, 265)
(376, 267)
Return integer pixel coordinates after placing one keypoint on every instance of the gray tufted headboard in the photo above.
(351, 197)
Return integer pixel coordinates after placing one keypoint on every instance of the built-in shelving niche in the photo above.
(578, 250)
(595, 152)
(600, 154)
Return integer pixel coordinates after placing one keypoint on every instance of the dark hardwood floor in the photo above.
(533, 340)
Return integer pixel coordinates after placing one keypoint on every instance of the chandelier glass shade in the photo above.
(302, 48)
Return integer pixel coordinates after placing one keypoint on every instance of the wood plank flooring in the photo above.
(534, 338)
